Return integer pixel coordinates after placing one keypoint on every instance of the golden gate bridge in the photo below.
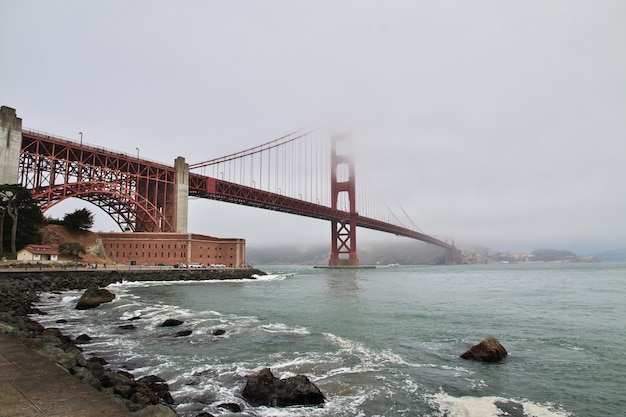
(306, 173)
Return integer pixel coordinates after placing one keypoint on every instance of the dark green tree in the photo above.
(21, 218)
(74, 249)
(81, 219)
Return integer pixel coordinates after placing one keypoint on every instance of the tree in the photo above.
(73, 249)
(81, 219)
(24, 214)
(3, 211)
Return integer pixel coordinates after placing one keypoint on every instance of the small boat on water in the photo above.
(396, 265)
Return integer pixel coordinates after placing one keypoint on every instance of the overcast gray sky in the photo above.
(501, 123)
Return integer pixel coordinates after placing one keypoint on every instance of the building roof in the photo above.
(41, 249)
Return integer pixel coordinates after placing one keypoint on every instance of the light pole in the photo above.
(81, 138)
(137, 153)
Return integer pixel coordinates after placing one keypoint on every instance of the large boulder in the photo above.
(93, 297)
(489, 350)
(265, 389)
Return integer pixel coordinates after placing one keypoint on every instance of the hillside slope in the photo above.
(54, 235)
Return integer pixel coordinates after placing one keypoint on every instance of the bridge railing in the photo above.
(90, 146)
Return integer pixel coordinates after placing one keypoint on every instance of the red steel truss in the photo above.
(136, 193)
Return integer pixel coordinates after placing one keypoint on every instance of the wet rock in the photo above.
(183, 333)
(219, 332)
(205, 414)
(265, 389)
(171, 323)
(93, 297)
(159, 386)
(83, 338)
(488, 350)
(128, 327)
(233, 407)
(134, 318)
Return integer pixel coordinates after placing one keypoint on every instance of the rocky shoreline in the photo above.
(148, 396)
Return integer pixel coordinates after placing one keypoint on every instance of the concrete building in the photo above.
(10, 145)
(146, 248)
(38, 253)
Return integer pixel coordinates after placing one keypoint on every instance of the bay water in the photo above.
(377, 342)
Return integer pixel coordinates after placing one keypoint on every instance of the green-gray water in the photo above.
(379, 342)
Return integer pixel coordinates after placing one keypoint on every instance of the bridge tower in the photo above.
(343, 253)
(10, 145)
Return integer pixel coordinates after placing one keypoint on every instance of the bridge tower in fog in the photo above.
(343, 188)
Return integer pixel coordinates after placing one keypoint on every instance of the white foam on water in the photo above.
(451, 406)
(283, 328)
(271, 277)
(140, 284)
(370, 358)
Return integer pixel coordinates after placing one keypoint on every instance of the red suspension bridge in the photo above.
(304, 173)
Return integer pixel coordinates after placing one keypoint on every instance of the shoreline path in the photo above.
(31, 385)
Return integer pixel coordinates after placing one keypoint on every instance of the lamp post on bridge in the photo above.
(137, 153)
(81, 138)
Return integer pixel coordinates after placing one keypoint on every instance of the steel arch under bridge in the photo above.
(136, 193)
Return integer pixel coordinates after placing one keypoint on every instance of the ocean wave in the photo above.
(371, 359)
(140, 284)
(450, 406)
(283, 328)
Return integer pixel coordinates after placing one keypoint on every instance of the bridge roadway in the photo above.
(216, 189)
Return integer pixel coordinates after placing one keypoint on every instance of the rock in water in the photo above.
(489, 350)
(172, 323)
(83, 338)
(265, 389)
(93, 297)
(159, 386)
